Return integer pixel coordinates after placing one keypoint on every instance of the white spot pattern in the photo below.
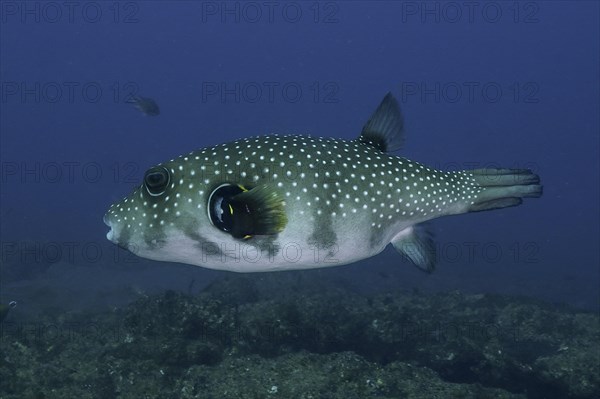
(319, 177)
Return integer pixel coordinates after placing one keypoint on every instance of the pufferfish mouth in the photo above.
(110, 233)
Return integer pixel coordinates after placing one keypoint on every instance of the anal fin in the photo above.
(416, 243)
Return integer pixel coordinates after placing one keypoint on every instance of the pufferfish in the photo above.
(298, 202)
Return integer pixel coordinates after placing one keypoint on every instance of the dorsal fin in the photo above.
(385, 128)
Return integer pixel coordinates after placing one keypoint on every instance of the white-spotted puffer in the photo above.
(299, 202)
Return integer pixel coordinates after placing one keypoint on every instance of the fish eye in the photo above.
(156, 180)
(220, 211)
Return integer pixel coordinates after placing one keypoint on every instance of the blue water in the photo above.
(499, 84)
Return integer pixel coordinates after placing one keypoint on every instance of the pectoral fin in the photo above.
(245, 213)
(258, 211)
(416, 243)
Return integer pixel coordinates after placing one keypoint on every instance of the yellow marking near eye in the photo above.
(242, 187)
(247, 236)
(230, 209)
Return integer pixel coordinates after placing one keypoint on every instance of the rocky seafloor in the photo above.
(267, 337)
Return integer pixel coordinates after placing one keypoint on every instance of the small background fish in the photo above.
(145, 105)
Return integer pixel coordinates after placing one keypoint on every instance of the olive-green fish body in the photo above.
(297, 202)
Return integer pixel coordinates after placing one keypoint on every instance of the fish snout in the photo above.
(105, 220)
(110, 234)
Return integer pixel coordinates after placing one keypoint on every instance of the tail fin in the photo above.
(504, 187)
